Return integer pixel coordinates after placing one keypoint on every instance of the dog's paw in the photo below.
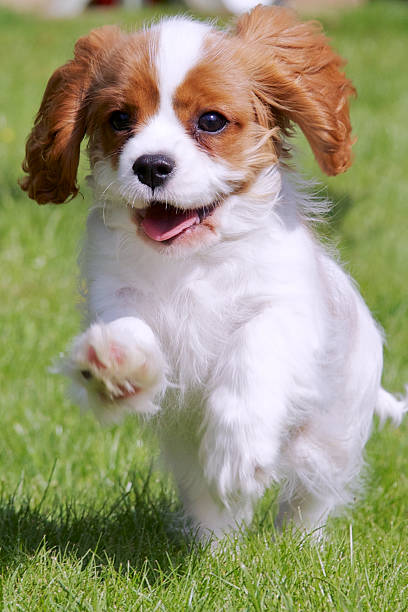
(230, 466)
(120, 365)
(236, 453)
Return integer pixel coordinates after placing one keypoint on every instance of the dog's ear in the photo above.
(53, 147)
(299, 78)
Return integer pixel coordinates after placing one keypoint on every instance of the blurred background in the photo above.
(75, 7)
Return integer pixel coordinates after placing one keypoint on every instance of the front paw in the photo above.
(120, 366)
(230, 464)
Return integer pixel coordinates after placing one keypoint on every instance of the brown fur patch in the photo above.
(129, 84)
(111, 70)
(219, 82)
(297, 77)
(274, 71)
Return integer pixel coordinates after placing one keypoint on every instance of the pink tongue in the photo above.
(162, 223)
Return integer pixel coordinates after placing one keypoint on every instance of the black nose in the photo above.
(153, 170)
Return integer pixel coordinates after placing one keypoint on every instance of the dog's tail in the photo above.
(391, 407)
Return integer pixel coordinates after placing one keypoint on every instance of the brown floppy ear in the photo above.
(52, 150)
(299, 77)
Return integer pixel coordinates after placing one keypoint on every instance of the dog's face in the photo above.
(171, 131)
(182, 116)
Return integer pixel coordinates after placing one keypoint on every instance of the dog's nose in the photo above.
(153, 170)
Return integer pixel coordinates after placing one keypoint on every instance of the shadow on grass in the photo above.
(139, 529)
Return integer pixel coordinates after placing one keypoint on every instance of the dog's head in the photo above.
(182, 116)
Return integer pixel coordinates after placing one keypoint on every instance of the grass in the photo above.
(87, 520)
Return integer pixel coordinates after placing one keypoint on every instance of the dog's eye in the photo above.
(120, 121)
(212, 122)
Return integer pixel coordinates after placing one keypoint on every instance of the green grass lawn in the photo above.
(87, 519)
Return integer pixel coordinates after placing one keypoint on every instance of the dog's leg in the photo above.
(307, 512)
(119, 367)
(208, 519)
(322, 461)
(207, 516)
(245, 415)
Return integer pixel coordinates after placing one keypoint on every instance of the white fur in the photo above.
(264, 358)
(180, 43)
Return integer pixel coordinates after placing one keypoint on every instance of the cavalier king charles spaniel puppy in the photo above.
(211, 303)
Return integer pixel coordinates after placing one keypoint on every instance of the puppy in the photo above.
(210, 302)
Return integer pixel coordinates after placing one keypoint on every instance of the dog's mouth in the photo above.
(163, 222)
